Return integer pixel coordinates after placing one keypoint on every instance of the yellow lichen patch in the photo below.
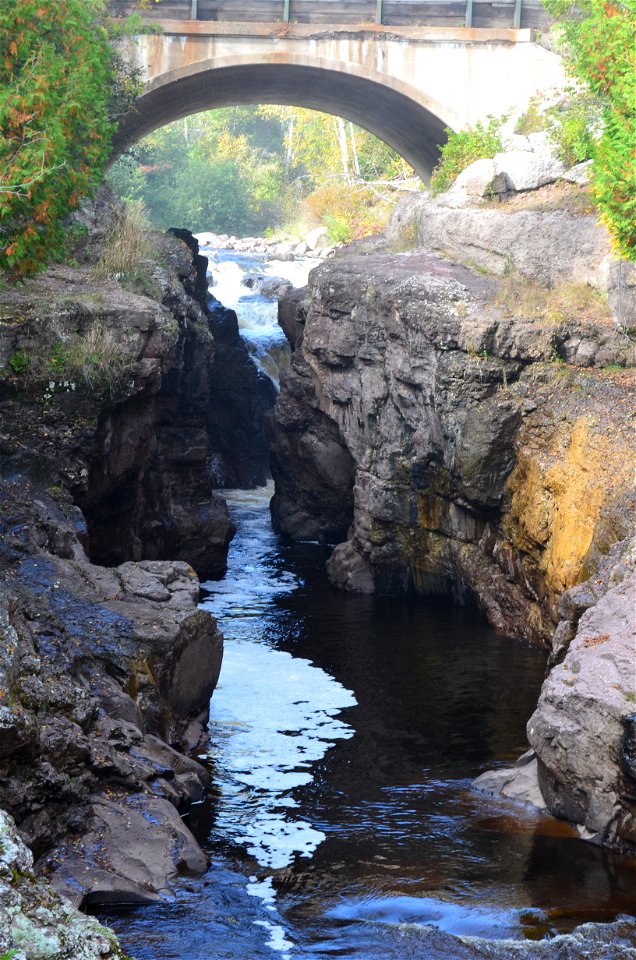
(577, 484)
(532, 506)
(559, 495)
(429, 511)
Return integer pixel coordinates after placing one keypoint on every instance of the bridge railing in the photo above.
(404, 13)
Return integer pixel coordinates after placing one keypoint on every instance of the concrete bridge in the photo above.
(404, 83)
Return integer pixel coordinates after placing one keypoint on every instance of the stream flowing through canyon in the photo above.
(344, 735)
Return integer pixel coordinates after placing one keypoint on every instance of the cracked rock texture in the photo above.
(486, 460)
(135, 446)
(34, 920)
(106, 512)
(542, 236)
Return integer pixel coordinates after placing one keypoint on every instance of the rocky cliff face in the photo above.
(484, 464)
(487, 454)
(135, 433)
(107, 441)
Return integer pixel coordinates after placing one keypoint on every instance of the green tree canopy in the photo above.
(57, 77)
(600, 50)
(254, 168)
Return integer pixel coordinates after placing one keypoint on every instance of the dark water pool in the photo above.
(345, 733)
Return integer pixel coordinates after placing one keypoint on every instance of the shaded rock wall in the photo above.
(314, 499)
(484, 466)
(106, 676)
(106, 671)
(488, 463)
(138, 447)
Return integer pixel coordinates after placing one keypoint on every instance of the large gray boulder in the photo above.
(549, 246)
(584, 728)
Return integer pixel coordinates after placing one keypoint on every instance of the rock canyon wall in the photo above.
(477, 453)
(107, 515)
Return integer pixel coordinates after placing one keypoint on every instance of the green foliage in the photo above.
(533, 120)
(248, 170)
(19, 363)
(599, 41)
(338, 230)
(574, 127)
(61, 83)
(462, 148)
(349, 211)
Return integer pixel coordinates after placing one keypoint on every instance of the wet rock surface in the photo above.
(106, 509)
(34, 920)
(107, 675)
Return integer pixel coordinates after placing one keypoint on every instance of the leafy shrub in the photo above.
(349, 211)
(600, 51)
(462, 148)
(19, 363)
(574, 127)
(59, 85)
(338, 230)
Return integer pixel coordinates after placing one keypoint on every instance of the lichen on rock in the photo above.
(35, 921)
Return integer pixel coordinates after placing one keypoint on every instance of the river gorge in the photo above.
(470, 467)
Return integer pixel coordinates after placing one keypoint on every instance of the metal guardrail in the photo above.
(469, 13)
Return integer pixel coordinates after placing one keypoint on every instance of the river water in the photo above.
(344, 734)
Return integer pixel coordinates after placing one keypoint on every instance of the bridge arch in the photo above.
(406, 118)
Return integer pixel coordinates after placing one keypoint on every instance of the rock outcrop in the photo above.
(583, 731)
(107, 448)
(488, 461)
(546, 238)
(37, 922)
(106, 679)
(472, 441)
(168, 405)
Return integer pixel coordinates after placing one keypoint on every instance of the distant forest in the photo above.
(264, 169)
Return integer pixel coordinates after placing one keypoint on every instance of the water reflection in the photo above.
(372, 846)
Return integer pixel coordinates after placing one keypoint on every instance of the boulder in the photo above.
(520, 170)
(317, 239)
(519, 783)
(476, 180)
(579, 173)
(136, 851)
(549, 246)
(583, 730)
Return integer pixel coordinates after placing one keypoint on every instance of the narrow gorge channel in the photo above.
(344, 735)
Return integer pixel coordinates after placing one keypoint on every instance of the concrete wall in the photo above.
(403, 84)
